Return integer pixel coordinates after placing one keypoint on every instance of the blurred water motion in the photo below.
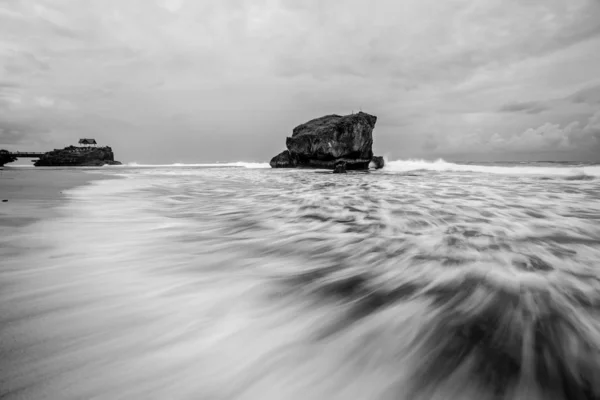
(234, 283)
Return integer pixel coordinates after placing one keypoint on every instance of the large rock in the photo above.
(6, 158)
(73, 156)
(321, 142)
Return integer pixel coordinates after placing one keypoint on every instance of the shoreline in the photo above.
(33, 194)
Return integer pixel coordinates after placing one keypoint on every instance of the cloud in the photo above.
(10, 94)
(10, 136)
(531, 107)
(247, 71)
(421, 44)
(574, 136)
(5, 85)
(171, 5)
(545, 137)
(16, 99)
(53, 103)
(14, 133)
(21, 62)
(592, 129)
(589, 95)
(45, 101)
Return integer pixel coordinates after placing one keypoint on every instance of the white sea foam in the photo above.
(444, 166)
(237, 283)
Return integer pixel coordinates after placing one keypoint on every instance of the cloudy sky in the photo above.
(224, 80)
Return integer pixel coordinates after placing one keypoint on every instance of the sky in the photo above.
(164, 81)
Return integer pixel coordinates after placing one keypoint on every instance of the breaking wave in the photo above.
(542, 169)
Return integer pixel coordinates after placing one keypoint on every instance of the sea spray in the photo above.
(513, 169)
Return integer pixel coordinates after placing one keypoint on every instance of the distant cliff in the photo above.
(78, 157)
(330, 140)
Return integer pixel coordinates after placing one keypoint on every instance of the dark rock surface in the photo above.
(6, 158)
(283, 160)
(332, 137)
(73, 156)
(351, 164)
(377, 162)
(339, 167)
(321, 142)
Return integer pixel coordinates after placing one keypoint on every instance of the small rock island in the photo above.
(86, 155)
(73, 156)
(333, 142)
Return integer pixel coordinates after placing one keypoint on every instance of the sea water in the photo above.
(419, 281)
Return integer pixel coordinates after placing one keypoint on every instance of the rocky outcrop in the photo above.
(283, 160)
(377, 162)
(6, 158)
(321, 142)
(73, 156)
(339, 167)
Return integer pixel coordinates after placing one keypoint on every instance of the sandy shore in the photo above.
(32, 193)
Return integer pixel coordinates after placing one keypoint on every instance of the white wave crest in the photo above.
(442, 165)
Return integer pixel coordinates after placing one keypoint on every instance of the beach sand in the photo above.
(32, 196)
(32, 193)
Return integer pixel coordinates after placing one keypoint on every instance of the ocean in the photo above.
(423, 280)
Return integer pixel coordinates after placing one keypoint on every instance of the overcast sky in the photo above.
(225, 80)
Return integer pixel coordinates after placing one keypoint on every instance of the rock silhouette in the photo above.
(78, 156)
(321, 142)
(339, 167)
(6, 158)
(377, 162)
(283, 160)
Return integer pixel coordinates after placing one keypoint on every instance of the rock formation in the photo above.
(339, 167)
(78, 157)
(6, 158)
(283, 160)
(321, 142)
(377, 162)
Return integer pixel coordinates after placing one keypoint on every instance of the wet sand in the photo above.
(31, 194)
